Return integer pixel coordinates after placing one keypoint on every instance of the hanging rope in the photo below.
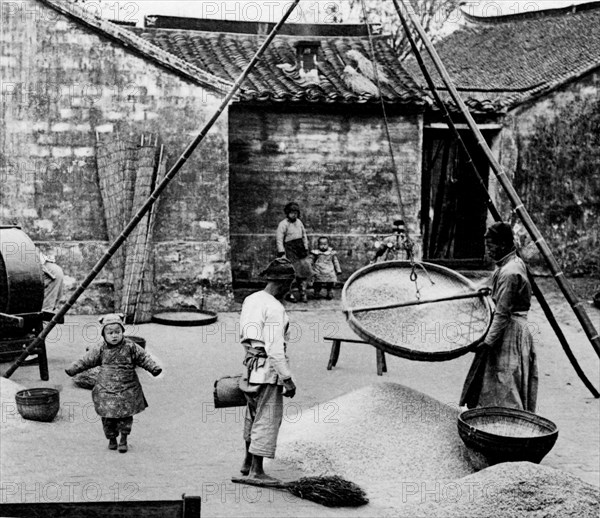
(519, 208)
(385, 118)
(493, 210)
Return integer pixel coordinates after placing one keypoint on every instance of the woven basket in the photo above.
(432, 331)
(87, 379)
(138, 340)
(38, 404)
(507, 434)
(227, 392)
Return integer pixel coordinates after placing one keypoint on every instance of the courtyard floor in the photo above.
(181, 444)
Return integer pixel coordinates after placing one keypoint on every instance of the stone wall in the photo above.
(64, 89)
(335, 163)
(552, 148)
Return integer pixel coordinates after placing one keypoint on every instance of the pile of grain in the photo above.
(402, 447)
(378, 433)
(513, 490)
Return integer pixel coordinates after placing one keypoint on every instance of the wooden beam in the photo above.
(188, 507)
(462, 126)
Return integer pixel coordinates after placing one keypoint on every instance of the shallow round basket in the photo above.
(138, 340)
(38, 404)
(227, 392)
(507, 434)
(430, 331)
(185, 317)
(87, 379)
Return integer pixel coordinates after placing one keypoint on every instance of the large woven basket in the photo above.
(38, 404)
(432, 331)
(227, 392)
(507, 434)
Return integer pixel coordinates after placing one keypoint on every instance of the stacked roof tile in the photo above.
(499, 63)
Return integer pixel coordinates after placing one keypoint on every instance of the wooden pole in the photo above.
(152, 198)
(505, 182)
(496, 215)
(418, 302)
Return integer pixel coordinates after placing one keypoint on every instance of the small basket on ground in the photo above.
(507, 434)
(38, 404)
(138, 340)
(87, 379)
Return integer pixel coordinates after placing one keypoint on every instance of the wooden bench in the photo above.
(188, 507)
(335, 353)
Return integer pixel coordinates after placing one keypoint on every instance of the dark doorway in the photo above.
(453, 203)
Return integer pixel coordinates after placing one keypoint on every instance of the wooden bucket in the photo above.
(227, 392)
(21, 279)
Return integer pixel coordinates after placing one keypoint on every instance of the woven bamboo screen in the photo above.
(128, 171)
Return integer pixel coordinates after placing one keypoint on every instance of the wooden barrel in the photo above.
(21, 279)
(227, 392)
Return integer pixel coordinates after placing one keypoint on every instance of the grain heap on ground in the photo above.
(379, 432)
(513, 490)
(402, 447)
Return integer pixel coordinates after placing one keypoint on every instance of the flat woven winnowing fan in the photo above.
(418, 311)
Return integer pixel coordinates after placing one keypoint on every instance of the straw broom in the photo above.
(330, 491)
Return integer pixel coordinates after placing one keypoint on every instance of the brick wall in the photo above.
(335, 163)
(62, 87)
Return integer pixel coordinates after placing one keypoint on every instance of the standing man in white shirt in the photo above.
(263, 332)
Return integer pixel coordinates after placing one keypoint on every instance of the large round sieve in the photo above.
(437, 317)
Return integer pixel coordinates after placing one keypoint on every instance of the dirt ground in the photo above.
(181, 444)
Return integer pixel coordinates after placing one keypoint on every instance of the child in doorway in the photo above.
(326, 267)
(117, 395)
(292, 242)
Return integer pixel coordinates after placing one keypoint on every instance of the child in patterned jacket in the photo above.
(326, 268)
(117, 395)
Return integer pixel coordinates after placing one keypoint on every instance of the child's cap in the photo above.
(112, 318)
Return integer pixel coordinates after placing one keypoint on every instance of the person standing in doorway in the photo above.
(292, 242)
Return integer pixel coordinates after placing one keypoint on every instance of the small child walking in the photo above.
(118, 394)
(326, 268)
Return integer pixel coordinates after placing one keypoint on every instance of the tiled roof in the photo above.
(345, 72)
(500, 63)
(215, 58)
